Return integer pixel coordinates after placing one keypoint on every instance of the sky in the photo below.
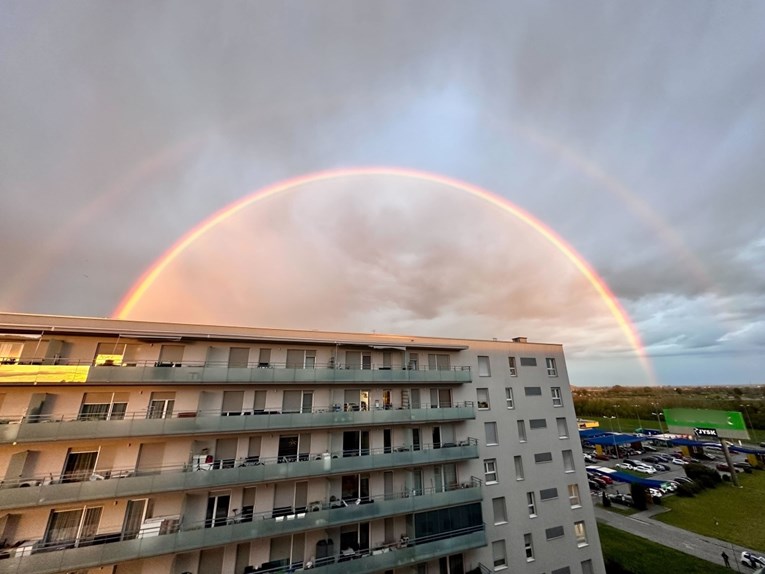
(634, 130)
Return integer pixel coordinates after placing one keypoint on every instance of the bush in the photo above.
(706, 477)
(687, 490)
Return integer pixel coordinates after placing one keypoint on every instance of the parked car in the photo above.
(679, 461)
(624, 466)
(601, 456)
(650, 459)
(725, 468)
(752, 560)
(683, 479)
(743, 465)
(588, 457)
(645, 469)
(631, 462)
(664, 457)
(649, 448)
(660, 466)
(620, 498)
(593, 485)
(655, 493)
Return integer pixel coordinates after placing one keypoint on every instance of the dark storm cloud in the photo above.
(125, 124)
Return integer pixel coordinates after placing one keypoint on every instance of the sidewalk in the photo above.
(642, 524)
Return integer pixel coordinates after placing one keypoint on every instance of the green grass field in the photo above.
(629, 425)
(739, 512)
(626, 553)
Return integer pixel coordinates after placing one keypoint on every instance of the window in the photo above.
(533, 391)
(484, 369)
(498, 552)
(541, 457)
(528, 545)
(500, 510)
(573, 495)
(531, 502)
(580, 533)
(538, 424)
(301, 359)
(554, 532)
(568, 461)
(528, 362)
(490, 470)
(513, 369)
(564, 570)
(521, 430)
(587, 567)
(509, 398)
(518, 468)
(491, 433)
(438, 362)
(483, 399)
(161, 406)
(557, 397)
(552, 371)
(548, 493)
(562, 427)
(264, 358)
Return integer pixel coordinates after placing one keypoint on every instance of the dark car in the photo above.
(745, 466)
(650, 459)
(649, 448)
(660, 466)
(663, 457)
(593, 485)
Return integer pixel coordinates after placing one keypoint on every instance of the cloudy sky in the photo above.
(634, 130)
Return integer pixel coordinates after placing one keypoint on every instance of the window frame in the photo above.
(499, 502)
(528, 546)
(518, 464)
(486, 428)
(531, 504)
(574, 497)
(564, 429)
(480, 400)
(487, 463)
(484, 366)
(513, 366)
(522, 435)
(580, 534)
(552, 368)
(499, 559)
(557, 397)
(509, 398)
(568, 456)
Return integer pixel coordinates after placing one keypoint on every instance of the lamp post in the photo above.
(618, 422)
(611, 422)
(637, 412)
(658, 418)
(746, 410)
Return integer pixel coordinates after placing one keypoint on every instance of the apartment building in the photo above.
(136, 447)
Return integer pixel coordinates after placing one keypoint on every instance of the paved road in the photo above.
(641, 524)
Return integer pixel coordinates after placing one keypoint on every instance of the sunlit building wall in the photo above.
(136, 447)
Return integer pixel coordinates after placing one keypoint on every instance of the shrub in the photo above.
(706, 477)
(684, 489)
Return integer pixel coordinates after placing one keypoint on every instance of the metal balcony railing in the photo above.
(206, 471)
(171, 534)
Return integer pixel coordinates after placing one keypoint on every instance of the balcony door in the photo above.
(355, 443)
(79, 466)
(355, 487)
(161, 405)
(67, 528)
(137, 511)
(217, 509)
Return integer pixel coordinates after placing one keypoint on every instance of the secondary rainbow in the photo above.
(145, 282)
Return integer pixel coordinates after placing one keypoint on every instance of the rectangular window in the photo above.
(557, 397)
(509, 398)
(554, 532)
(528, 546)
(513, 368)
(161, 406)
(528, 362)
(484, 368)
(533, 391)
(537, 424)
(264, 358)
(500, 510)
(552, 370)
(531, 502)
(518, 468)
(580, 533)
(562, 427)
(573, 496)
(490, 470)
(483, 399)
(568, 461)
(548, 493)
(541, 457)
(587, 567)
(564, 570)
(521, 430)
(438, 362)
(498, 552)
(491, 433)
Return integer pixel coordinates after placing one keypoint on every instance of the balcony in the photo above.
(73, 371)
(40, 557)
(73, 426)
(124, 482)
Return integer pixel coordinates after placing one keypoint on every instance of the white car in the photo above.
(752, 560)
(645, 469)
(625, 466)
(655, 493)
(679, 461)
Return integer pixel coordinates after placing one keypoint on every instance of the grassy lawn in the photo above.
(627, 553)
(739, 512)
(630, 424)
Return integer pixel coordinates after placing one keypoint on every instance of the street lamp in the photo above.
(658, 418)
(611, 423)
(618, 422)
(746, 410)
(637, 412)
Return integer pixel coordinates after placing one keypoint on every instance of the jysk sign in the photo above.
(701, 432)
(727, 424)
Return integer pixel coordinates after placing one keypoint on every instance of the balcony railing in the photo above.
(72, 426)
(131, 481)
(171, 536)
(69, 370)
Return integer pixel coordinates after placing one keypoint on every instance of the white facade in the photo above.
(137, 447)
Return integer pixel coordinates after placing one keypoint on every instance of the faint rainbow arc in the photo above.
(612, 303)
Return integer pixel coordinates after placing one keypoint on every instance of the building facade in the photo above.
(135, 447)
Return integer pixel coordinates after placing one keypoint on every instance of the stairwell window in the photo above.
(557, 398)
(490, 470)
(531, 503)
(562, 427)
(528, 546)
(484, 368)
(500, 510)
(513, 368)
(552, 370)
(521, 430)
(580, 533)
(509, 400)
(518, 467)
(568, 461)
(573, 496)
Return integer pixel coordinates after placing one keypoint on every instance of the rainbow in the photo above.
(613, 305)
